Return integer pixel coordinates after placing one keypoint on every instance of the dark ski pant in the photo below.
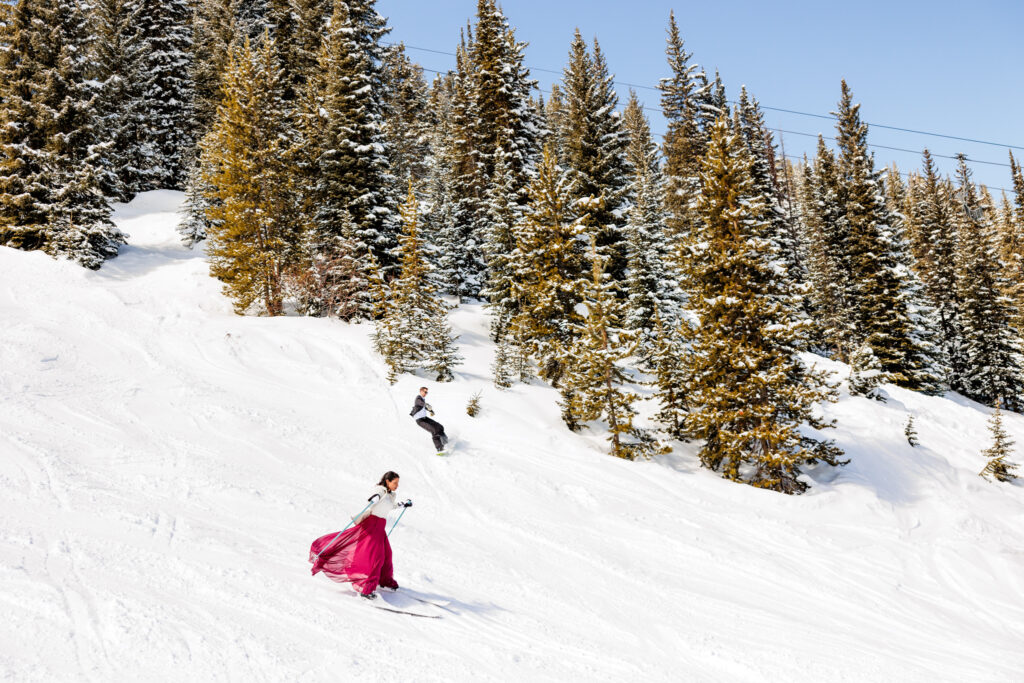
(436, 430)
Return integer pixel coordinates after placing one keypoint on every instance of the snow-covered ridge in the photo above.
(164, 465)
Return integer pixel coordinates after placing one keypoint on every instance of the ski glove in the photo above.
(406, 504)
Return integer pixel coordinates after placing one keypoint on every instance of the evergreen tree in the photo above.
(910, 431)
(594, 145)
(254, 229)
(253, 17)
(684, 141)
(651, 286)
(343, 124)
(29, 60)
(164, 29)
(501, 369)
(407, 119)
(669, 367)
(784, 230)
(993, 365)
(501, 87)
(121, 59)
(299, 27)
(52, 151)
(934, 219)
(214, 31)
(749, 390)
(414, 330)
(550, 276)
(460, 232)
(554, 110)
(889, 314)
(866, 374)
(499, 247)
(336, 281)
(1012, 241)
(826, 234)
(594, 386)
(79, 220)
(493, 116)
(196, 209)
(998, 467)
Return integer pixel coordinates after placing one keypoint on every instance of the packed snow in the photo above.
(165, 464)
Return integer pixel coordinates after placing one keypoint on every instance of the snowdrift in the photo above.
(164, 465)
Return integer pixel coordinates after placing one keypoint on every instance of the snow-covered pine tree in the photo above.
(1012, 242)
(352, 169)
(214, 31)
(298, 27)
(79, 223)
(501, 87)
(594, 144)
(826, 233)
(669, 367)
(651, 285)
(550, 272)
(889, 311)
(6, 14)
(334, 280)
(165, 30)
(28, 60)
(491, 109)
(121, 66)
(993, 364)
(407, 116)
(254, 230)
(195, 210)
(910, 431)
(51, 148)
(684, 141)
(935, 222)
(414, 330)
(554, 108)
(458, 182)
(866, 374)
(499, 249)
(252, 17)
(501, 368)
(998, 467)
(784, 230)
(749, 391)
(594, 388)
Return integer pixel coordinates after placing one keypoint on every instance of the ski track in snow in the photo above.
(164, 465)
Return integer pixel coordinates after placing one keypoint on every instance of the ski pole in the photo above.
(396, 521)
(316, 556)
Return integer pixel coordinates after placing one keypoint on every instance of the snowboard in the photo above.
(448, 447)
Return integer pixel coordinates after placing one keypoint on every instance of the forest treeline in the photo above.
(328, 177)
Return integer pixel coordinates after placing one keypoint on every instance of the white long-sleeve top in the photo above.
(385, 504)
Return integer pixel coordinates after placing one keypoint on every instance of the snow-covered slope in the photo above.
(164, 465)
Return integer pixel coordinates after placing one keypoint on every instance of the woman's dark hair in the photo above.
(388, 476)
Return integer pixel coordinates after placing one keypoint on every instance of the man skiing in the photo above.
(419, 412)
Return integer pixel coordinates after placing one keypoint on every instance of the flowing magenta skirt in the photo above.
(360, 555)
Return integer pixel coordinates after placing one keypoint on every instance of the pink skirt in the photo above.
(360, 555)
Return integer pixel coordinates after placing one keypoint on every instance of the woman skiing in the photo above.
(362, 555)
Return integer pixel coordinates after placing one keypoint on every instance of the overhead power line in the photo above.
(830, 117)
(810, 135)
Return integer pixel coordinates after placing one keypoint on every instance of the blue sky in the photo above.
(945, 67)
